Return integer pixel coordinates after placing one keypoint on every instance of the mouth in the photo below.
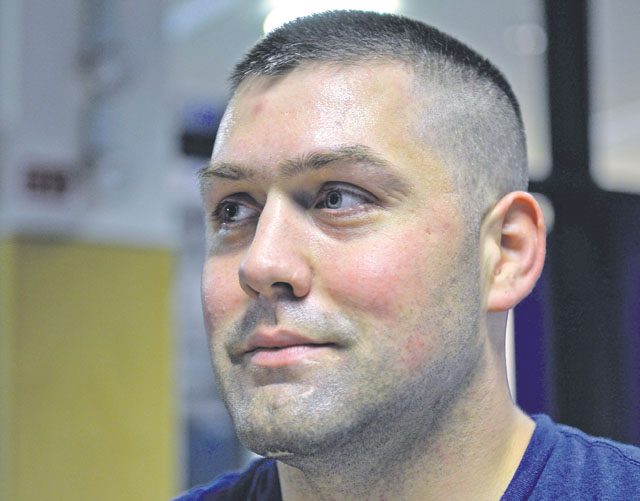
(287, 355)
(282, 348)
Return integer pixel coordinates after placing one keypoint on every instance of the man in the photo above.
(367, 232)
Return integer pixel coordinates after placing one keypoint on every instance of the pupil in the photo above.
(231, 211)
(334, 199)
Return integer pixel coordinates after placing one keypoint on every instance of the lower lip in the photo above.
(289, 355)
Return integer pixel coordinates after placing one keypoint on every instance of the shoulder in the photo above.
(597, 447)
(258, 481)
(562, 462)
(597, 461)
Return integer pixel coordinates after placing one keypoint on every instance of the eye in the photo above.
(335, 198)
(231, 212)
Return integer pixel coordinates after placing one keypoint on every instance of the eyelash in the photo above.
(346, 189)
(218, 213)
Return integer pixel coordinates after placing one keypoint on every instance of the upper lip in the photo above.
(278, 338)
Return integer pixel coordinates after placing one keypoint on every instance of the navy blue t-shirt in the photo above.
(259, 482)
(560, 463)
(564, 463)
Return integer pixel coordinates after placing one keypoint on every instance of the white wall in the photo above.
(56, 101)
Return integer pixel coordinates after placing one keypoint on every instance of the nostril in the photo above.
(283, 287)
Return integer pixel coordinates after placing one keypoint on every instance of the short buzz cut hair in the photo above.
(471, 120)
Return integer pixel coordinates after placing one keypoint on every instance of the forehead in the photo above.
(319, 106)
(339, 86)
(274, 120)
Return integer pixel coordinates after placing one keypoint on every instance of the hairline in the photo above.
(418, 64)
(421, 71)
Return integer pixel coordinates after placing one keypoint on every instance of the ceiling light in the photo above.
(283, 11)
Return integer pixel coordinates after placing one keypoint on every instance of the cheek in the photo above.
(394, 286)
(415, 351)
(380, 277)
(221, 292)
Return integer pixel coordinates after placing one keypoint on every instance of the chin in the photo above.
(292, 438)
(281, 440)
(291, 419)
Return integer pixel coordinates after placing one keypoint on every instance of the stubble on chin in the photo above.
(284, 412)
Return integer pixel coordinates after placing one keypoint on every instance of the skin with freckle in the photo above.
(372, 285)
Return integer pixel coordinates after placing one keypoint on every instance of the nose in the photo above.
(275, 262)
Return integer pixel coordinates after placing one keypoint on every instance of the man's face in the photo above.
(340, 295)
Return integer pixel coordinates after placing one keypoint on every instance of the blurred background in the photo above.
(107, 110)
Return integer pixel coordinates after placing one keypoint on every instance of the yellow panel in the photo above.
(92, 357)
(7, 252)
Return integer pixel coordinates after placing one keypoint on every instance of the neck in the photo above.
(471, 452)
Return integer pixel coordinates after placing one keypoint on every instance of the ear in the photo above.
(513, 248)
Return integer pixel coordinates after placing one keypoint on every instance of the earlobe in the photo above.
(514, 243)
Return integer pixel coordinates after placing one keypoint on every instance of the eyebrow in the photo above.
(226, 170)
(316, 160)
(311, 161)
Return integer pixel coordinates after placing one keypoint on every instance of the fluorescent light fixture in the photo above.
(283, 11)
